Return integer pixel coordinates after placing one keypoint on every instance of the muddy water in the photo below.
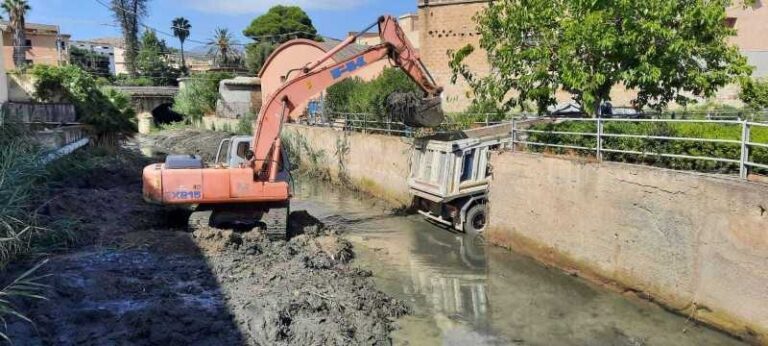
(463, 293)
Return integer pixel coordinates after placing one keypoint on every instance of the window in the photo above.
(28, 43)
(468, 165)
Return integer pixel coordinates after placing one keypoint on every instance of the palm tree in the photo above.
(16, 10)
(221, 46)
(181, 28)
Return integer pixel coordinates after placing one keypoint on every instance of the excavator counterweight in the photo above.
(250, 186)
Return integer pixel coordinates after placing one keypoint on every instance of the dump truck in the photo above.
(450, 174)
(249, 184)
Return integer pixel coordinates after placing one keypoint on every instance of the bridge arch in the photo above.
(164, 114)
(151, 104)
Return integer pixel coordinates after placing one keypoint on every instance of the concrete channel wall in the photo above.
(374, 164)
(695, 243)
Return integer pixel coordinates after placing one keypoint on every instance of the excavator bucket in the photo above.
(415, 111)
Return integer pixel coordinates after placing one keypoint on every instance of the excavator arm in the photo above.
(314, 78)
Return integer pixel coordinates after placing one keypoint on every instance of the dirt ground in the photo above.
(141, 278)
(185, 141)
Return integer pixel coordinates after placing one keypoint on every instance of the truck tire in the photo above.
(276, 222)
(476, 219)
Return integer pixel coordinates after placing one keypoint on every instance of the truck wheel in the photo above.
(476, 219)
(276, 221)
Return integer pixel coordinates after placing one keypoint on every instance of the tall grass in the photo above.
(20, 174)
(27, 285)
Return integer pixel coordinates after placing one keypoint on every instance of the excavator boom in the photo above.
(394, 46)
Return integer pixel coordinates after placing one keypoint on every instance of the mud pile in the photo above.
(139, 277)
(300, 292)
(186, 141)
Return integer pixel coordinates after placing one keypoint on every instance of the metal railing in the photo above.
(522, 136)
(371, 123)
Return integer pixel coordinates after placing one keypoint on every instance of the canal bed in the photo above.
(464, 293)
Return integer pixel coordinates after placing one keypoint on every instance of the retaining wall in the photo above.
(372, 163)
(695, 243)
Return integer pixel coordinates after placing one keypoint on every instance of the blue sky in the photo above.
(85, 19)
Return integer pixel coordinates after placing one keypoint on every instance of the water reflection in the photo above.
(457, 290)
(464, 293)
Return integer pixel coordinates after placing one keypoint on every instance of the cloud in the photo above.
(261, 6)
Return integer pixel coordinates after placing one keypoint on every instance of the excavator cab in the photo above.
(236, 151)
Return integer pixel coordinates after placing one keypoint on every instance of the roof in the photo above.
(110, 41)
(35, 27)
(329, 43)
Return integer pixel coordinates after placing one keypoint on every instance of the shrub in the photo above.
(106, 111)
(357, 96)
(754, 93)
(199, 95)
(655, 146)
(125, 80)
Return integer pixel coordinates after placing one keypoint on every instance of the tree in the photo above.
(128, 14)
(754, 93)
(222, 48)
(256, 55)
(17, 10)
(152, 60)
(665, 50)
(89, 61)
(181, 28)
(107, 113)
(278, 25)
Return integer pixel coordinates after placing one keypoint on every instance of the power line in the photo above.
(255, 38)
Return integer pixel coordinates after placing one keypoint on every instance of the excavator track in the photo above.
(276, 222)
(199, 220)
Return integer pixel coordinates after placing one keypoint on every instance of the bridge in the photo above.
(152, 104)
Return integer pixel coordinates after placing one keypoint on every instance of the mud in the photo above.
(140, 278)
(200, 142)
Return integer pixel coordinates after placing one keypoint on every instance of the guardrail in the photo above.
(521, 136)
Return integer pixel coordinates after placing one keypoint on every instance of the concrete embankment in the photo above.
(375, 164)
(694, 243)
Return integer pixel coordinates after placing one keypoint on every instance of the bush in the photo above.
(199, 95)
(357, 96)
(754, 93)
(125, 80)
(106, 111)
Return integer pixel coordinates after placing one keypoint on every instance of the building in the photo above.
(283, 63)
(751, 24)
(115, 47)
(105, 53)
(446, 25)
(46, 45)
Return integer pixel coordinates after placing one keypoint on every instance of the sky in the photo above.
(86, 19)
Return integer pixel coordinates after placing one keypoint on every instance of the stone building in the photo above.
(446, 25)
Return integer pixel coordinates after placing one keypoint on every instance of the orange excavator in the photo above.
(248, 184)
